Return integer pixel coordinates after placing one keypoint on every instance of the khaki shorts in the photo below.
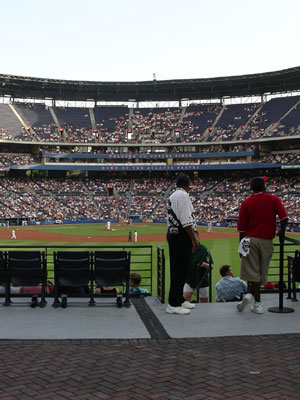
(255, 266)
(203, 292)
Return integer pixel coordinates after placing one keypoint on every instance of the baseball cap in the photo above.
(265, 178)
(258, 184)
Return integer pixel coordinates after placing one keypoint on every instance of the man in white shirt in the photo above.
(183, 240)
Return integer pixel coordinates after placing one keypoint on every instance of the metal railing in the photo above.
(161, 277)
(161, 274)
(280, 267)
(141, 258)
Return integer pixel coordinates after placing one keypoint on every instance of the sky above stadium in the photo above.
(118, 40)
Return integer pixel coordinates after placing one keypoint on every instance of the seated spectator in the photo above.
(106, 289)
(135, 281)
(197, 276)
(229, 288)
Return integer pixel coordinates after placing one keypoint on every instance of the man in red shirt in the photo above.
(257, 228)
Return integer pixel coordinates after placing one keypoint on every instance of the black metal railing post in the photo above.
(280, 308)
(161, 274)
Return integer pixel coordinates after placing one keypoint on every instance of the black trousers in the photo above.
(180, 247)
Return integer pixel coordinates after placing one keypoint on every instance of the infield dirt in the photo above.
(35, 235)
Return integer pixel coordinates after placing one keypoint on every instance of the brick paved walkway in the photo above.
(235, 368)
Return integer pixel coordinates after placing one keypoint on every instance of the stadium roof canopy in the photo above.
(168, 90)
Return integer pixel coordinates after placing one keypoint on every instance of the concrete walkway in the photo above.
(106, 321)
(104, 352)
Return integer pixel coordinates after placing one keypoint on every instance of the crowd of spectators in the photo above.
(196, 123)
(4, 135)
(146, 196)
(112, 124)
(281, 158)
(110, 206)
(156, 125)
(198, 119)
(282, 130)
(233, 124)
(219, 200)
(7, 159)
(215, 199)
(48, 133)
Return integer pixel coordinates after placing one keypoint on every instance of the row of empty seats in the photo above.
(72, 269)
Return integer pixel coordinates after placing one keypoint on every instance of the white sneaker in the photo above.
(177, 310)
(188, 305)
(248, 298)
(257, 308)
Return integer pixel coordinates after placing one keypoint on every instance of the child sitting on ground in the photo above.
(135, 281)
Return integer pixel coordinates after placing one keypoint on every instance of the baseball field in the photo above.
(222, 242)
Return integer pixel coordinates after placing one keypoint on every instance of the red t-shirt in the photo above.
(257, 216)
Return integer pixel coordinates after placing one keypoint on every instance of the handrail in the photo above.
(161, 274)
(280, 308)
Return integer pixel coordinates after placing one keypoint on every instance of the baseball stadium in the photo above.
(87, 168)
(68, 170)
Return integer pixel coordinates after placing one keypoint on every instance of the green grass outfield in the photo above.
(224, 250)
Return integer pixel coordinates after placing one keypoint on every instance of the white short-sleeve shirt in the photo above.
(183, 208)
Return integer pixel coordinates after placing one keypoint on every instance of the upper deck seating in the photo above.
(10, 126)
(269, 115)
(233, 117)
(290, 124)
(197, 119)
(73, 117)
(112, 124)
(156, 124)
